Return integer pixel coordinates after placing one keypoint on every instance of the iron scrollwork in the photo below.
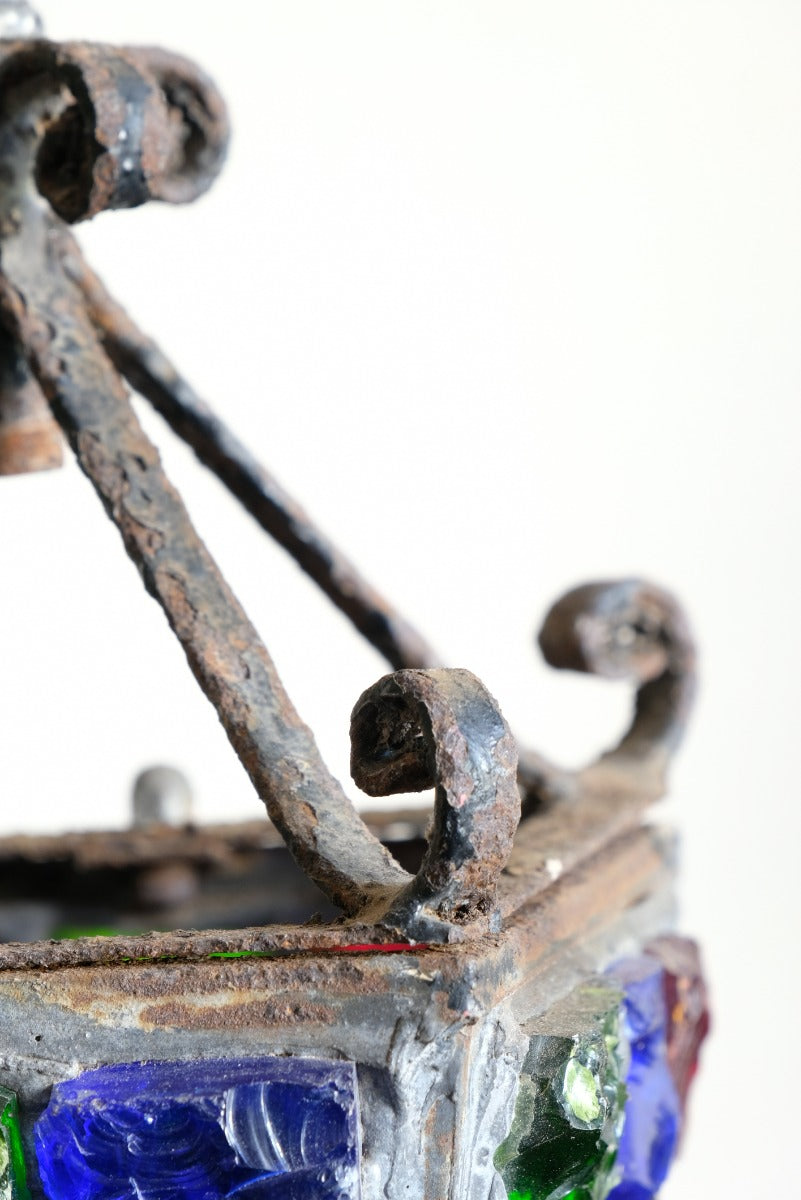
(89, 128)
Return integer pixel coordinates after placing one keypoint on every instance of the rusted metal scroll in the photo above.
(629, 629)
(419, 729)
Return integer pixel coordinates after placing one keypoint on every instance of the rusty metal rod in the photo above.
(140, 360)
(232, 666)
(662, 703)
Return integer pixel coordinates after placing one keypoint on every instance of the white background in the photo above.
(508, 294)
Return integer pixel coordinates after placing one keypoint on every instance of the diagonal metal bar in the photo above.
(140, 360)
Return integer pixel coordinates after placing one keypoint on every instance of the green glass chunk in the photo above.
(569, 1110)
(13, 1185)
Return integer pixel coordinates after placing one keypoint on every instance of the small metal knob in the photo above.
(19, 20)
(161, 796)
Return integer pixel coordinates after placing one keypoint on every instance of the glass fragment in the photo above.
(604, 1085)
(653, 1112)
(255, 1128)
(13, 1185)
(570, 1103)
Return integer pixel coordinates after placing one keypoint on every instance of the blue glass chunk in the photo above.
(652, 1115)
(254, 1129)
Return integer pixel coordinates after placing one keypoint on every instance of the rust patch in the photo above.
(25, 449)
(30, 439)
(253, 1014)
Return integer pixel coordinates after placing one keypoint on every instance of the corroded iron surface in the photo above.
(602, 872)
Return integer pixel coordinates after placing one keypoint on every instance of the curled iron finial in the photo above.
(441, 728)
(112, 128)
(629, 629)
